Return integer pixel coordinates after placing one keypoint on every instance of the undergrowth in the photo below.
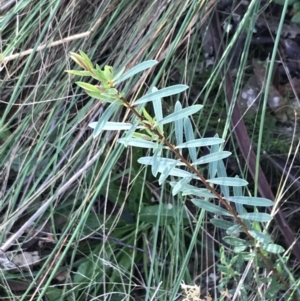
(81, 218)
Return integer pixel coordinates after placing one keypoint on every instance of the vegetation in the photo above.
(126, 177)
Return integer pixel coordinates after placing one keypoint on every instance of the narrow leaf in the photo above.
(178, 124)
(200, 142)
(165, 173)
(228, 181)
(118, 74)
(167, 165)
(137, 142)
(212, 168)
(261, 237)
(130, 134)
(99, 74)
(235, 241)
(210, 207)
(180, 186)
(252, 201)
(182, 173)
(179, 115)
(81, 73)
(221, 172)
(234, 230)
(86, 59)
(237, 191)
(273, 248)
(136, 69)
(109, 73)
(104, 118)
(221, 223)
(87, 86)
(157, 106)
(163, 162)
(212, 157)
(201, 192)
(161, 93)
(257, 217)
(112, 126)
(189, 136)
(79, 60)
(96, 95)
(156, 159)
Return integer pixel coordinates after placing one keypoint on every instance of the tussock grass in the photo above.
(85, 204)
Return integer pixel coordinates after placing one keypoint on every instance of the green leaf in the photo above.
(96, 95)
(178, 124)
(273, 248)
(113, 126)
(228, 181)
(235, 241)
(221, 172)
(200, 142)
(147, 115)
(163, 162)
(179, 186)
(86, 60)
(136, 69)
(157, 106)
(179, 115)
(112, 91)
(234, 230)
(211, 207)
(251, 201)
(88, 87)
(237, 191)
(109, 73)
(79, 60)
(176, 172)
(108, 98)
(212, 157)
(165, 173)
(137, 142)
(191, 190)
(156, 159)
(221, 223)
(189, 136)
(104, 118)
(261, 237)
(81, 73)
(99, 74)
(257, 217)
(118, 74)
(161, 93)
(212, 167)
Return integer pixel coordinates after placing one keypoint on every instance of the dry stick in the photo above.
(11, 57)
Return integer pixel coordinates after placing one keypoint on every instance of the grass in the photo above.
(96, 217)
